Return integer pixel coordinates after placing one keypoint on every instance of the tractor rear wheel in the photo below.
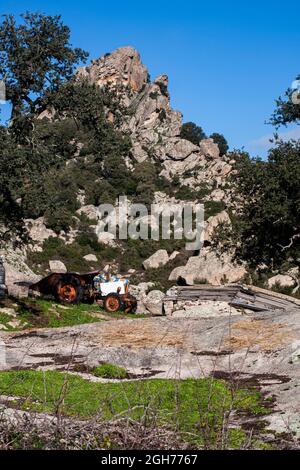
(113, 303)
(69, 290)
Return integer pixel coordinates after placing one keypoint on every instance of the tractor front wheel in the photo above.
(113, 303)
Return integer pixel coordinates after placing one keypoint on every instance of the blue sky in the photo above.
(227, 61)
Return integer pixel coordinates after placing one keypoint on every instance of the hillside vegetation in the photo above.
(76, 139)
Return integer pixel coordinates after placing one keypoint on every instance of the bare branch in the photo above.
(292, 239)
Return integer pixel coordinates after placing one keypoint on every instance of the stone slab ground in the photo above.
(261, 349)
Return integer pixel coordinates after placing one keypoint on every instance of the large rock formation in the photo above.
(154, 128)
(18, 275)
(283, 280)
(209, 268)
(154, 302)
(160, 258)
(57, 266)
(122, 68)
(153, 125)
(38, 232)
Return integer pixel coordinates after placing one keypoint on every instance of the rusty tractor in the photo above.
(73, 288)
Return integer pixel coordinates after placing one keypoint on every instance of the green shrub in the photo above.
(185, 193)
(190, 131)
(282, 289)
(200, 280)
(221, 142)
(212, 208)
(204, 191)
(88, 240)
(110, 371)
(72, 254)
(136, 251)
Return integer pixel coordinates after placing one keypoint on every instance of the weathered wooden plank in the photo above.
(243, 296)
(208, 287)
(271, 298)
(203, 293)
(260, 305)
(265, 300)
(266, 295)
(198, 299)
(207, 294)
(275, 294)
(241, 304)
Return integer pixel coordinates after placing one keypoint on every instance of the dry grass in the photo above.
(36, 432)
(140, 334)
(258, 334)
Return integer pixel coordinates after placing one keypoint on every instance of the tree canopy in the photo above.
(36, 59)
(190, 131)
(288, 107)
(267, 225)
(45, 162)
(222, 143)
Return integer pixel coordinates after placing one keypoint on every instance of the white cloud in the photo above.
(264, 141)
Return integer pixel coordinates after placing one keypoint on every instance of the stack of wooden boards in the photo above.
(237, 295)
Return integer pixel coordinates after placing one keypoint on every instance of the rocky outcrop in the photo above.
(174, 255)
(160, 258)
(214, 222)
(57, 266)
(89, 211)
(18, 282)
(283, 280)
(149, 301)
(141, 290)
(152, 122)
(261, 350)
(121, 68)
(217, 195)
(179, 149)
(91, 258)
(209, 268)
(18, 276)
(203, 309)
(154, 302)
(106, 238)
(153, 125)
(38, 232)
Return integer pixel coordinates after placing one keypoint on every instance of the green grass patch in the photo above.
(45, 313)
(9, 320)
(196, 407)
(5, 320)
(110, 371)
(42, 313)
